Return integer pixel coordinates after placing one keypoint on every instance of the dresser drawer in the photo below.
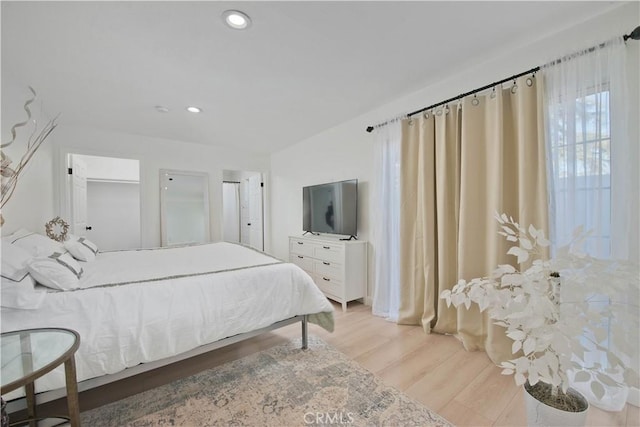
(302, 261)
(301, 247)
(329, 269)
(329, 252)
(329, 286)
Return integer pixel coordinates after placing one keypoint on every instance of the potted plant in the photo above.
(545, 308)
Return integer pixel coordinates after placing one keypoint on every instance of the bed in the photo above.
(138, 310)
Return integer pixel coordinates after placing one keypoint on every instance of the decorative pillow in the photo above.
(20, 232)
(21, 294)
(81, 248)
(57, 271)
(14, 261)
(38, 245)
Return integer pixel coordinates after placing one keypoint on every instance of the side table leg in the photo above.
(31, 403)
(29, 388)
(72, 391)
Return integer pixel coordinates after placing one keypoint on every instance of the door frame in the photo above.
(61, 177)
(239, 175)
(207, 203)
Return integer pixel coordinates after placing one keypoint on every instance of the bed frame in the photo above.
(47, 396)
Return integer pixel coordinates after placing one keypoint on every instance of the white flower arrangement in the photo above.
(546, 311)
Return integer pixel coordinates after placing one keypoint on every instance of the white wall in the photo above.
(32, 203)
(345, 151)
(111, 168)
(155, 154)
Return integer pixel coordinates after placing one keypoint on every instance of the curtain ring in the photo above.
(529, 81)
(439, 111)
(475, 101)
(493, 93)
(446, 109)
(425, 114)
(410, 121)
(514, 89)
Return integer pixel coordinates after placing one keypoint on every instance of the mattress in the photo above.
(140, 306)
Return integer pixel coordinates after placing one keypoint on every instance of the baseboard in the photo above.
(634, 396)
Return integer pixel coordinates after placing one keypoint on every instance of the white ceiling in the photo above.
(301, 68)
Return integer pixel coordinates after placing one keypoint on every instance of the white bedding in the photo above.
(182, 298)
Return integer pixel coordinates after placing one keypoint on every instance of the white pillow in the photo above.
(14, 261)
(38, 245)
(21, 294)
(81, 248)
(57, 271)
(20, 232)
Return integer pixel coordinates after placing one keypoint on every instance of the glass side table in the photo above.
(31, 353)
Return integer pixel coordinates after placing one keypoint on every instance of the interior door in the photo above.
(231, 211)
(245, 215)
(78, 196)
(255, 212)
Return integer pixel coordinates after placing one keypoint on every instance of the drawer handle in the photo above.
(324, 278)
(301, 243)
(300, 256)
(327, 247)
(326, 263)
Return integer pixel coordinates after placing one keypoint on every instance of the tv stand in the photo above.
(352, 237)
(313, 233)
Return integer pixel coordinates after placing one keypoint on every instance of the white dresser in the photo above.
(338, 267)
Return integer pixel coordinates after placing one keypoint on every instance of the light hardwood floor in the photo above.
(464, 387)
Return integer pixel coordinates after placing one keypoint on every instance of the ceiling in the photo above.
(301, 68)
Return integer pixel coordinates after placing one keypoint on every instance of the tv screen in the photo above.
(331, 208)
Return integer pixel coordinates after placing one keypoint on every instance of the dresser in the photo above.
(338, 267)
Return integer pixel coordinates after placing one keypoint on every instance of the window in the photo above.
(581, 170)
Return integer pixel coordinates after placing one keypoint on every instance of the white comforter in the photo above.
(181, 298)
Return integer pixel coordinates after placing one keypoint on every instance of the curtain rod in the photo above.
(634, 35)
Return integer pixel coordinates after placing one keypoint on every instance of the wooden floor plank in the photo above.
(514, 414)
(385, 354)
(488, 394)
(462, 415)
(440, 386)
(405, 371)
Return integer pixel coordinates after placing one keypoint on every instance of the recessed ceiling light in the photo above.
(236, 19)
(162, 109)
(194, 109)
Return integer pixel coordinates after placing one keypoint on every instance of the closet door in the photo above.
(184, 207)
(78, 196)
(255, 212)
(231, 211)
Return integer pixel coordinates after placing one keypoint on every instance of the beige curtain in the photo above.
(459, 165)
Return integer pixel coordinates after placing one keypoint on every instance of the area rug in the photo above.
(281, 386)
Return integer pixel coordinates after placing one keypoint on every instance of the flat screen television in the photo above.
(331, 208)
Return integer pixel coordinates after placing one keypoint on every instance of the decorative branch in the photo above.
(10, 175)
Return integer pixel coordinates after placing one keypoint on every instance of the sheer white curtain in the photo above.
(587, 132)
(386, 222)
(592, 174)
